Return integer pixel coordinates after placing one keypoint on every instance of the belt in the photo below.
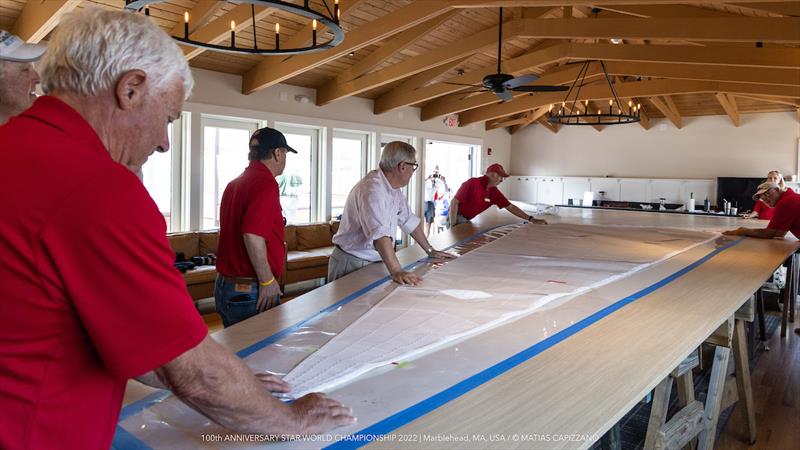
(228, 279)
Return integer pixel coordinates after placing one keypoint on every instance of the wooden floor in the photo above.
(776, 391)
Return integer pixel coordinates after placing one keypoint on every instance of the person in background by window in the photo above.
(18, 77)
(90, 296)
(435, 191)
(374, 209)
(761, 210)
(477, 194)
(251, 225)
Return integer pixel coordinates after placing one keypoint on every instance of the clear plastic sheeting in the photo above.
(393, 347)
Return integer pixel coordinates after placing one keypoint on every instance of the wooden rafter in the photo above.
(733, 29)
(219, 29)
(268, 72)
(392, 46)
(550, 126)
(303, 36)
(786, 9)
(525, 3)
(667, 107)
(781, 101)
(420, 79)
(649, 88)
(710, 72)
(644, 119)
(443, 55)
(729, 105)
(38, 18)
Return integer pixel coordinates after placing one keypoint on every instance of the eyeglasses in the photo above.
(415, 165)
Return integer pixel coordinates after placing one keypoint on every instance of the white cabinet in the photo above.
(550, 190)
(609, 186)
(523, 189)
(634, 190)
(670, 190)
(574, 189)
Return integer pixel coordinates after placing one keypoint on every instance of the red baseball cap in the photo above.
(498, 169)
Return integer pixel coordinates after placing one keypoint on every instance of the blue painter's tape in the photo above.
(401, 418)
(156, 397)
(126, 441)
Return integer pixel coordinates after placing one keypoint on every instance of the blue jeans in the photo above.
(235, 305)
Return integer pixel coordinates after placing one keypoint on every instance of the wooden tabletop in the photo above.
(582, 386)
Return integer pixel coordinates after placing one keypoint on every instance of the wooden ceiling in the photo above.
(675, 58)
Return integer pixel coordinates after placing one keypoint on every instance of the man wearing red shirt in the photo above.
(89, 293)
(479, 193)
(785, 216)
(251, 251)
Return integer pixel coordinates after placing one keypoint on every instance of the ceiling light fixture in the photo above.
(616, 40)
(327, 18)
(569, 111)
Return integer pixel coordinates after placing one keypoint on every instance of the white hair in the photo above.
(394, 153)
(93, 47)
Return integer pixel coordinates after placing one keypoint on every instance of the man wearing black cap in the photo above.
(18, 77)
(251, 243)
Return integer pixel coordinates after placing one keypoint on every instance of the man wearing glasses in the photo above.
(374, 209)
(477, 194)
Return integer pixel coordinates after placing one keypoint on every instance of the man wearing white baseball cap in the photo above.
(18, 78)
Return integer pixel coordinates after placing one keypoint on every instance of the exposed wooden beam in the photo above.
(199, 16)
(650, 88)
(303, 36)
(39, 17)
(469, 45)
(715, 55)
(219, 29)
(667, 11)
(666, 106)
(395, 99)
(420, 79)
(268, 73)
(525, 3)
(561, 75)
(734, 29)
(782, 101)
(644, 120)
(394, 45)
(729, 105)
(786, 9)
(550, 126)
(580, 107)
(756, 75)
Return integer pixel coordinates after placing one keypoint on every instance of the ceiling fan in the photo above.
(502, 84)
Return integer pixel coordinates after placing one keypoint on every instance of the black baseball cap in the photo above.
(269, 138)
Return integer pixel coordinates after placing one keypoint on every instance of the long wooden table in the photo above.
(585, 384)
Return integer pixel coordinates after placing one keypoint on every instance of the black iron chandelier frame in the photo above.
(561, 116)
(330, 21)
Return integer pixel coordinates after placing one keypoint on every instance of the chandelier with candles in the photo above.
(573, 111)
(328, 18)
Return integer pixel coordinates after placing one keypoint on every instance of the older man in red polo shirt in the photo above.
(252, 252)
(785, 216)
(90, 298)
(477, 194)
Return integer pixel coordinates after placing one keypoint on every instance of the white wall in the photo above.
(706, 147)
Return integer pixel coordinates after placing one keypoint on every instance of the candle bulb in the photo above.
(610, 103)
(277, 36)
(233, 34)
(336, 9)
(314, 32)
(186, 25)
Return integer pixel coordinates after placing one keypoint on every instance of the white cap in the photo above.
(15, 49)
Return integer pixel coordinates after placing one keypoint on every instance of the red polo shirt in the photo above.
(250, 204)
(786, 214)
(89, 295)
(475, 196)
(763, 210)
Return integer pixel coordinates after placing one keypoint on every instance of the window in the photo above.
(225, 148)
(348, 166)
(161, 180)
(454, 161)
(298, 197)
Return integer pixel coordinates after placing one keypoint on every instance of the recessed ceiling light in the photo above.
(616, 40)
